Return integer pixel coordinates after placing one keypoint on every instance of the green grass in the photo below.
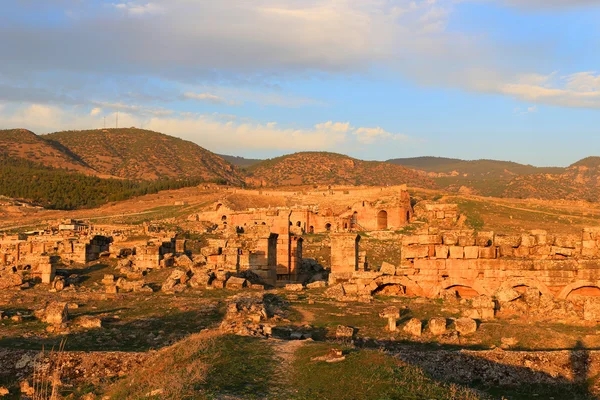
(203, 366)
(366, 374)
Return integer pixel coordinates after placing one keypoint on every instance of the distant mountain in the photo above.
(331, 169)
(439, 167)
(139, 154)
(240, 161)
(26, 145)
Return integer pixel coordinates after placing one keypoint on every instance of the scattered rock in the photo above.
(465, 326)
(414, 327)
(12, 280)
(3, 391)
(56, 313)
(294, 287)
(344, 332)
(236, 283)
(387, 269)
(316, 285)
(89, 322)
(507, 295)
(437, 326)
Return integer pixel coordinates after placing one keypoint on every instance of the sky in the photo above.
(514, 80)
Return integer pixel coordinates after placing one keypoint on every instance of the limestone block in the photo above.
(437, 326)
(589, 244)
(506, 251)
(387, 269)
(292, 287)
(465, 240)
(457, 252)
(471, 252)
(507, 295)
(508, 240)
(465, 326)
(591, 309)
(562, 251)
(344, 332)
(541, 251)
(410, 240)
(56, 313)
(527, 240)
(430, 239)
(236, 283)
(484, 239)
(487, 252)
(590, 253)
(411, 252)
(450, 238)
(414, 327)
(10, 280)
(522, 251)
(568, 241)
(441, 251)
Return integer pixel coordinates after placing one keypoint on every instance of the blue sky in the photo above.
(376, 79)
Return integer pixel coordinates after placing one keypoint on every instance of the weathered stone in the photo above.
(465, 326)
(591, 309)
(88, 321)
(414, 327)
(507, 294)
(316, 285)
(437, 325)
(56, 313)
(236, 283)
(392, 314)
(344, 332)
(387, 269)
(294, 287)
(8, 281)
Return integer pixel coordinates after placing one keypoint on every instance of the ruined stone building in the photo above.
(477, 263)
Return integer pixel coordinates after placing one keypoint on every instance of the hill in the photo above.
(439, 167)
(308, 168)
(26, 145)
(580, 181)
(240, 161)
(139, 154)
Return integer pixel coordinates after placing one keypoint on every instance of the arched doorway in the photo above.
(382, 220)
(584, 291)
(328, 226)
(464, 292)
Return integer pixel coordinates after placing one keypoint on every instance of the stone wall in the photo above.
(475, 263)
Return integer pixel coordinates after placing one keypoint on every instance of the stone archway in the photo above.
(382, 220)
(588, 286)
(515, 283)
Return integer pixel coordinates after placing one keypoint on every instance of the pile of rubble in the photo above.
(253, 314)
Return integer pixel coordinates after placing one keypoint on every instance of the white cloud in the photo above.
(228, 134)
(136, 8)
(209, 97)
(95, 111)
(581, 90)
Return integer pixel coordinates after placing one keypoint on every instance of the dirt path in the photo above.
(285, 351)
